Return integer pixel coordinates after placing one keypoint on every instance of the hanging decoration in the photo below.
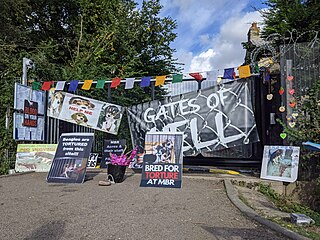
(60, 85)
(196, 76)
(160, 80)
(244, 71)
(229, 73)
(145, 82)
(129, 83)
(100, 84)
(46, 86)
(87, 84)
(115, 82)
(73, 85)
(177, 78)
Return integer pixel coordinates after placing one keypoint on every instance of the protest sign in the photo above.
(111, 146)
(70, 161)
(162, 162)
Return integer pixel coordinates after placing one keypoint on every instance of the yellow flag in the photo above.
(244, 71)
(160, 80)
(87, 84)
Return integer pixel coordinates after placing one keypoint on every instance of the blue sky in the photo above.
(210, 32)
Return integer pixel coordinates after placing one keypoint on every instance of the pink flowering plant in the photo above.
(124, 159)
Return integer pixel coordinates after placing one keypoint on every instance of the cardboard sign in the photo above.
(162, 165)
(70, 161)
(34, 157)
(111, 146)
(280, 163)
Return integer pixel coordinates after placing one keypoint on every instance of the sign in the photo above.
(70, 161)
(212, 119)
(111, 146)
(28, 118)
(92, 161)
(34, 157)
(280, 163)
(162, 165)
(84, 111)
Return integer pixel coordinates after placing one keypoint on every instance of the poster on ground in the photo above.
(212, 119)
(162, 164)
(280, 163)
(111, 146)
(28, 118)
(70, 160)
(34, 157)
(84, 111)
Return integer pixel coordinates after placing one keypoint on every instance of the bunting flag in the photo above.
(160, 80)
(73, 85)
(229, 73)
(129, 83)
(197, 76)
(244, 71)
(36, 86)
(87, 84)
(212, 76)
(177, 78)
(60, 85)
(145, 82)
(46, 86)
(100, 84)
(115, 82)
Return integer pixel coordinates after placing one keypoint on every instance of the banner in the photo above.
(84, 111)
(34, 157)
(70, 161)
(29, 114)
(111, 146)
(280, 163)
(162, 161)
(212, 119)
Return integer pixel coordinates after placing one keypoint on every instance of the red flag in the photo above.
(115, 82)
(46, 85)
(197, 76)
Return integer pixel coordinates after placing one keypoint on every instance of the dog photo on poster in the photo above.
(70, 161)
(84, 111)
(280, 163)
(162, 161)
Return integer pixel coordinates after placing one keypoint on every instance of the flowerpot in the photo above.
(117, 172)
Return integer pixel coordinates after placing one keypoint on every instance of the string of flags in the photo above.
(229, 73)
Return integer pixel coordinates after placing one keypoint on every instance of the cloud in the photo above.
(225, 50)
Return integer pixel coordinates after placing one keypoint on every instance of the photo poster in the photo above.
(34, 157)
(84, 111)
(92, 161)
(111, 146)
(70, 161)
(28, 118)
(280, 163)
(162, 161)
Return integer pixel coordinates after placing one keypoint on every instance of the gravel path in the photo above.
(30, 208)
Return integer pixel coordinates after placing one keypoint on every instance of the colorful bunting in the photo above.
(100, 84)
(36, 86)
(60, 85)
(244, 71)
(197, 76)
(129, 83)
(46, 85)
(177, 78)
(229, 73)
(115, 82)
(145, 82)
(160, 80)
(73, 85)
(87, 84)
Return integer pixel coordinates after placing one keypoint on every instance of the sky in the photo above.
(210, 32)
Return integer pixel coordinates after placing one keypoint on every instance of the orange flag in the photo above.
(87, 84)
(160, 80)
(244, 71)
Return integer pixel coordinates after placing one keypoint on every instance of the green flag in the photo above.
(100, 83)
(36, 86)
(177, 78)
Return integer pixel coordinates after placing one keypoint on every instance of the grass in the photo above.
(285, 205)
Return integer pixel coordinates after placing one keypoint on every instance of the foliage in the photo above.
(282, 17)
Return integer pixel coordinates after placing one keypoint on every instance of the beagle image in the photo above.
(56, 104)
(111, 116)
(80, 118)
(82, 103)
